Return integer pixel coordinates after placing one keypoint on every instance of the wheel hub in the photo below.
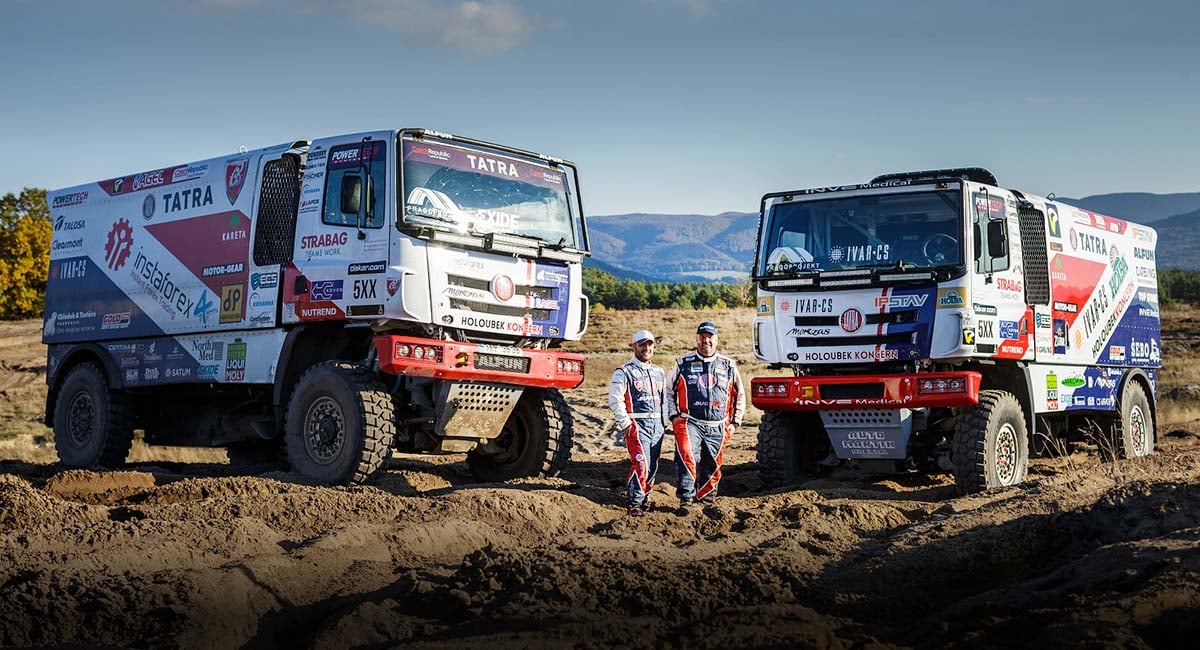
(1005, 456)
(81, 420)
(1137, 431)
(324, 430)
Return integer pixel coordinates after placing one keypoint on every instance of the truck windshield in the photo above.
(469, 190)
(902, 231)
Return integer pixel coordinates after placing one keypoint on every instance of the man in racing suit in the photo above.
(705, 403)
(636, 396)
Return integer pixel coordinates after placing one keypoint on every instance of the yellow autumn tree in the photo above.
(25, 230)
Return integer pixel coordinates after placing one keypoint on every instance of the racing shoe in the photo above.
(635, 511)
(685, 505)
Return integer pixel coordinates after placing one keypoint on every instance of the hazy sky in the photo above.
(684, 106)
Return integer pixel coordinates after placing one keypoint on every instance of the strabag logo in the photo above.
(323, 241)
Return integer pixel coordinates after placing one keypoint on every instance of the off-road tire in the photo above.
(789, 446)
(1133, 428)
(340, 424)
(92, 423)
(541, 427)
(991, 443)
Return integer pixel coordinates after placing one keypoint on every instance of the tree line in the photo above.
(606, 291)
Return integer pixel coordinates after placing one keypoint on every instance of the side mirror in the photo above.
(997, 238)
(351, 201)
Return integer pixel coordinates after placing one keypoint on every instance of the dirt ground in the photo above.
(185, 550)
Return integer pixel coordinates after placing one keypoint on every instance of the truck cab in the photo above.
(926, 312)
(429, 276)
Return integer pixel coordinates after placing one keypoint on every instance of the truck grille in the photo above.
(902, 338)
(890, 318)
(502, 363)
(502, 310)
(485, 285)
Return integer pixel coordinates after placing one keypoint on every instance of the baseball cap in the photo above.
(642, 335)
(707, 327)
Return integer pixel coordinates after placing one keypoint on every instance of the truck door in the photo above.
(274, 236)
(340, 251)
(1004, 322)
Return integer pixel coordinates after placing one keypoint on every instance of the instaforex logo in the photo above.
(158, 284)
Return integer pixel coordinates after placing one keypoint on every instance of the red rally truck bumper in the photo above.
(817, 393)
(454, 361)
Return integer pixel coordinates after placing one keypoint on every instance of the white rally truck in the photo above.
(337, 298)
(936, 320)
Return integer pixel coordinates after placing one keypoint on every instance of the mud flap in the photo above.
(468, 413)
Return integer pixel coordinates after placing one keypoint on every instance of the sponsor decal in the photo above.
(318, 312)
(325, 240)
(968, 336)
(900, 301)
(68, 200)
(557, 277)
(1053, 222)
(158, 284)
(178, 373)
(115, 321)
(1041, 321)
(186, 199)
(1089, 243)
(1008, 284)
(235, 361)
(1145, 351)
(208, 350)
(260, 301)
(986, 329)
(355, 154)
(223, 269)
(1120, 268)
(362, 268)
(364, 289)
(1072, 382)
(1055, 246)
(235, 178)
(865, 253)
(231, 302)
(120, 242)
(393, 285)
(858, 355)
(466, 293)
(203, 308)
(326, 290)
(1116, 352)
(493, 165)
(72, 269)
(809, 331)
(310, 205)
(264, 280)
(62, 225)
(148, 207)
(950, 298)
(984, 310)
(1009, 330)
(766, 305)
(62, 246)
(1068, 307)
(851, 320)
(809, 306)
(148, 180)
(188, 172)
(236, 230)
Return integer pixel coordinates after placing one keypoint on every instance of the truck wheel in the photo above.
(536, 440)
(1134, 429)
(789, 447)
(91, 422)
(991, 447)
(340, 424)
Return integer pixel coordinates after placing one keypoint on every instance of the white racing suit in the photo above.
(636, 396)
(706, 403)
